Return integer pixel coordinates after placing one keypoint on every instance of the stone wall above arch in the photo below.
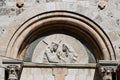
(42, 14)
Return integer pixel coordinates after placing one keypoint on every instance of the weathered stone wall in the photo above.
(108, 17)
(105, 13)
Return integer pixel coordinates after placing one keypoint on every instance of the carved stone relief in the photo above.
(75, 51)
(2, 3)
(60, 53)
(59, 48)
(13, 72)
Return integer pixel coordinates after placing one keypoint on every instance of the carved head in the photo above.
(64, 48)
(54, 47)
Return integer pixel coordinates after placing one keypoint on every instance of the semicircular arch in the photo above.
(53, 20)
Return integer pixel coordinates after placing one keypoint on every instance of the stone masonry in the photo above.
(106, 13)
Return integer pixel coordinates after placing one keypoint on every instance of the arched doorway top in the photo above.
(21, 29)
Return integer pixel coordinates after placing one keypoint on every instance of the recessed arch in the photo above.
(53, 20)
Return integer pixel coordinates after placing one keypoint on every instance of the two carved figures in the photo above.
(60, 53)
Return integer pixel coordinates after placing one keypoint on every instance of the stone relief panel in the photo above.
(60, 53)
(59, 48)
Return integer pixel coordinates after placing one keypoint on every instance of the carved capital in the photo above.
(13, 69)
(107, 68)
(13, 72)
(107, 72)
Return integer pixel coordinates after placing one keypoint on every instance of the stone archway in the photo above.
(47, 23)
(73, 26)
(72, 22)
